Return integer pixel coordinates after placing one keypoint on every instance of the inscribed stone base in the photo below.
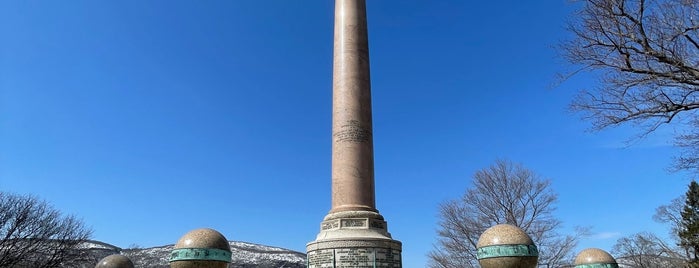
(356, 239)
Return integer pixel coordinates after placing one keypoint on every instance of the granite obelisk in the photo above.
(353, 234)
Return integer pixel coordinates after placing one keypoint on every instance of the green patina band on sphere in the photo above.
(598, 265)
(497, 251)
(200, 254)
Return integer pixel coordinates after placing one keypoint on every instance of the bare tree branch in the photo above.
(648, 59)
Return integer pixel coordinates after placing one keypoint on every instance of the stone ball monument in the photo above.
(595, 258)
(115, 261)
(506, 246)
(201, 248)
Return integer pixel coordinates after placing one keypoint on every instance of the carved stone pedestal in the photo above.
(357, 239)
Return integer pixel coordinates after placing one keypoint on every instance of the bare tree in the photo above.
(671, 214)
(647, 53)
(34, 234)
(502, 193)
(646, 250)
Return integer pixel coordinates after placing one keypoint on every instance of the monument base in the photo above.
(357, 239)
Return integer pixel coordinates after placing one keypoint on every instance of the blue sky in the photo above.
(151, 118)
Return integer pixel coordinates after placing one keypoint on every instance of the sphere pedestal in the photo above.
(506, 246)
(115, 261)
(595, 258)
(201, 248)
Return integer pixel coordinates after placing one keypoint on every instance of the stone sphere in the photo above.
(506, 246)
(594, 256)
(201, 248)
(115, 261)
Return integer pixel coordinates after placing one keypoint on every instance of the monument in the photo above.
(353, 234)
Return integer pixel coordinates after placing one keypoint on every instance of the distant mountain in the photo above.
(245, 255)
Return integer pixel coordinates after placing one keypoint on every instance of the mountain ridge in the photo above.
(244, 255)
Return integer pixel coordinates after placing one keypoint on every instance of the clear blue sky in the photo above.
(151, 118)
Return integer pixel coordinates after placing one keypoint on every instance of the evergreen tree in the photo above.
(689, 233)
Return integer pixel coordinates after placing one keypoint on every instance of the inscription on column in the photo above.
(388, 258)
(352, 131)
(378, 224)
(327, 225)
(324, 258)
(354, 257)
(354, 222)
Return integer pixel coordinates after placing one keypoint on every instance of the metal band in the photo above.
(507, 251)
(598, 265)
(200, 254)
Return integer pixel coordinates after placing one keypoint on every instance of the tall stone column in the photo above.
(353, 234)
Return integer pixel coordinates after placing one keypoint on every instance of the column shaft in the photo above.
(352, 145)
